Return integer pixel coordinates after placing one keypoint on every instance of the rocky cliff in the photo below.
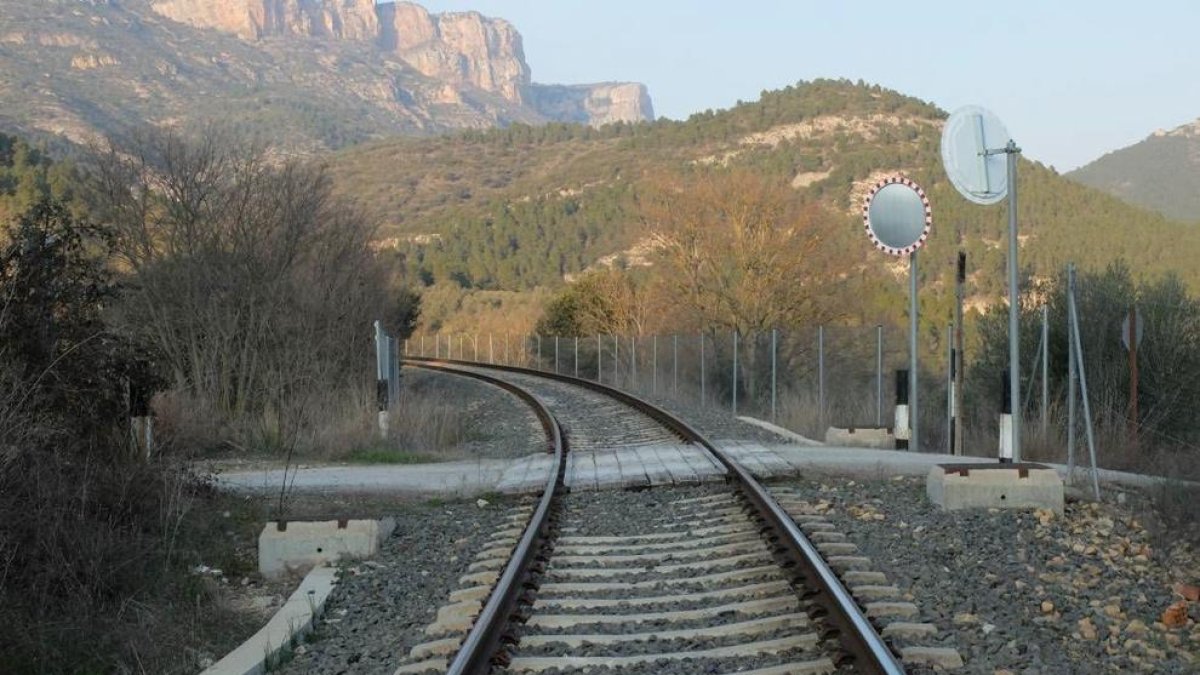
(462, 49)
(307, 74)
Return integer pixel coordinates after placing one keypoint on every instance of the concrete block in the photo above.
(302, 545)
(861, 438)
(1003, 486)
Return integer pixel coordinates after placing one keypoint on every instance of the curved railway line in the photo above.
(709, 581)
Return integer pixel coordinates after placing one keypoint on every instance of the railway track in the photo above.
(715, 578)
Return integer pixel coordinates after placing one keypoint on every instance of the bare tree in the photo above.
(254, 282)
(741, 252)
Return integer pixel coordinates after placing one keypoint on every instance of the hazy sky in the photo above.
(1071, 79)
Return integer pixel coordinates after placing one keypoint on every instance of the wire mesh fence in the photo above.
(805, 380)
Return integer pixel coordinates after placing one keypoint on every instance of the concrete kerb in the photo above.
(780, 431)
(291, 623)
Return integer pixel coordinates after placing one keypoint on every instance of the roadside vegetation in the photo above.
(234, 285)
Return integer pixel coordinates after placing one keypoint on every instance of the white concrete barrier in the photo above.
(995, 486)
(296, 546)
(871, 437)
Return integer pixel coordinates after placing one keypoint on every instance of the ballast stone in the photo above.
(303, 545)
(995, 486)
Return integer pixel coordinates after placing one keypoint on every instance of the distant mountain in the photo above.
(309, 74)
(1161, 172)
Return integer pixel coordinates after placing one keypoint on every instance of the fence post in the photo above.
(675, 365)
(422, 345)
(539, 352)
(821, 372)
(576, 356)
(1045, 368)
(703, 398)
(437, 346)
(735, 364)
(901, 431)
(555, 354)
(633, 384)
(491, 350)
(654, 365)
(774, 345)
(879, 376)
(599, 351)
(616, 360)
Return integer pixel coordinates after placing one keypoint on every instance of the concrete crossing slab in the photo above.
(611, 468)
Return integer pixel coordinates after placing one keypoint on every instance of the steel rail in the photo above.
(485, 639)
(858, 637)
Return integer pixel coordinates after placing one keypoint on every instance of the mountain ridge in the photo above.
(310, 74)
(1160, 172)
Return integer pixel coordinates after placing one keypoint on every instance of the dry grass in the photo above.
(335, 426)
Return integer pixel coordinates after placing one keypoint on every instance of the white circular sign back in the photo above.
(897, 216)
(968, 135)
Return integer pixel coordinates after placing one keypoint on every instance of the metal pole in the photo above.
(1045, 369)
(1014, 304)
(1033, 368)
(821, 373)
(1087, 408)
(959, 375)
(633, 384)
(616, 360)
(599, 350)
(950, 389)
(423, 345)
(1133, 373)
(539, 353)
(576, 356)
(491, 350)
(735, 382)
(879, 376)
(654, 365)
(675, 365)
(774, 366)
(555, 354)
(437, 346)
(703, 401)
(1071, 380)
(914, 418)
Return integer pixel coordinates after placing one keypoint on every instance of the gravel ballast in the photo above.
(636, 513)
(380, 608)
(1023, 592)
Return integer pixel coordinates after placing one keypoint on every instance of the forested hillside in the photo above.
(522, 207)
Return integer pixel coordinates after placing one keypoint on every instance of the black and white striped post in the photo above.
(901, 430)
(382, 352)
(1006, 421)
